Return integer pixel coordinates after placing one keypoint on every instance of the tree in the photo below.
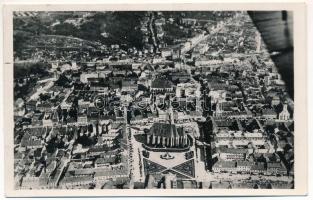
(65, 114)
(59, 111)
(90, 128)
(63, 81)
(44, 97)
(73, 113)
(65, 29)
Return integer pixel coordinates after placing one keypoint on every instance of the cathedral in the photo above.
(167, 134)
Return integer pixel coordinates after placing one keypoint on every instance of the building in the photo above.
(269, 114)
(47, 119)
(44, 106)
(30, 182)
(29, 142)
(210, 61)
(103, 175)
(161, 85)
(82, 119)
(19, 109)
(224, 166)
(258, 168)
(166, 52)
(76, 181)
(105, 162)
(232, 154)
(85, 76)
(166, 135)
(275, 168)
(275, 101)
(19, 103)
(188, 89)
(244, 166)
(129, 86)
(31, 105)
(284, 115)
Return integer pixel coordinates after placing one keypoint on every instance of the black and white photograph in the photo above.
(153, 99)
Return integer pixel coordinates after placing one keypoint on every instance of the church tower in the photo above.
(284, 115)
(219, 109)
(171, 115)
(258, 41)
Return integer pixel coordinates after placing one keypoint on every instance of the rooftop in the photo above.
(166, 130)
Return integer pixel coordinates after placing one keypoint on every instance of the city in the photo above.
(148, 100)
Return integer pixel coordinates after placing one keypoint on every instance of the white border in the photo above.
(300, 100)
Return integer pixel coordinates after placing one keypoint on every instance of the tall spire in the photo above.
(284, 115)
(285, 108)
(218, 107)
(171, 115)
(258, 41)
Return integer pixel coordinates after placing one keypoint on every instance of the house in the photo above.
(258, 168)
(244, 166)
(99, 86)
(76, 181)
(166, 52)
(43, 181)
(85, 76)
(82, 116)
(47, 119)
(117, 72)
(103, 175)
(182, 77)
(19, 103)
(275, 101)
(275, 168)
(232, 154)
(159, 22)
(207, 61)
(161, 85)
(105, 162)
(29, 142)
(97, 150)
(44, 106)
(221, 185)
(188, 89)
(129, 86)
(51, 166)
(269, 114)
(66, 105)
(30, 182)
(224, 166)
(31, 105)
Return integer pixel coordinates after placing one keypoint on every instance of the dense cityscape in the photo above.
(156, 100)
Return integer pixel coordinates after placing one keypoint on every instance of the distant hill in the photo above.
(121, 27)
